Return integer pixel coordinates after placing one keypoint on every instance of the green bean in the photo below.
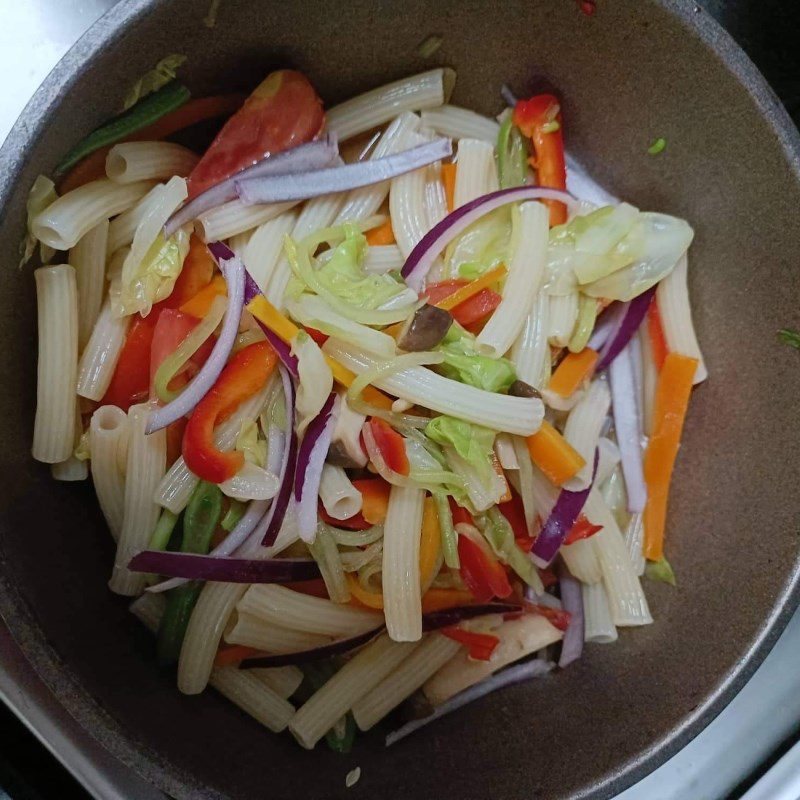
(234, 515)
(511, 155)
(144, 113)
(163, 530)
(199, 523)
(449, 535)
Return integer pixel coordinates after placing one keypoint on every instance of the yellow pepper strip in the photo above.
(286, 330)
(553, 454)
(430, 544)
(473, 287)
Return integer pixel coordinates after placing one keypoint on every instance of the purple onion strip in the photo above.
(302, 185)
(228, 570)
(233, 270)
(626, 423)
(564, 515)
(310, 460)
(627, 323)
(536, 668)
(431, 621)
(571, 602)
(303, 158)
(269, 527)
(422, 257)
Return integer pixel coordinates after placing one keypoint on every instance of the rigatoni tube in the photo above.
(89, 259)
(357, 677)
(128, 162)
(144, 469)
(100, 356)
(108, 437)
(401, 590)
(253, 696)
(432, 654)
(57, 306)
(525, 269)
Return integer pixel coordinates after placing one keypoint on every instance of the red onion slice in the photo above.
(310, 460)
(572, 603)
(516, 674)
(302, 185)
(233, 271)
(440, 235)
(564, 515)
(626, 423)
(626, 320)
(304, 158)
(228, 570)
(431, 621)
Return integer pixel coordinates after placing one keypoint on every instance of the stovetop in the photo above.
(753, 732)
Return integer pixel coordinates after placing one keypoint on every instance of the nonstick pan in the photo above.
(633, 71)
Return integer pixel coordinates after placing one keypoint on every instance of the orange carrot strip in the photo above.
(199, 305)
(572, 372)
(383, 234)
(430, 543)
(671, 401)
(449, 181)
(553, 454)
(190, 113)
(285, 329)
(374, 499)
(437, 599)
(656, 332)
(473, 287)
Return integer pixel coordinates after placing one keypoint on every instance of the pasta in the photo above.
(461, 123)
(129, 162)
(401, 579)
(62, 224)
(108, 444)
(57, 307)
(89, 259)
(524, 273)
(143, 471)
(100, 356)
(423, 395)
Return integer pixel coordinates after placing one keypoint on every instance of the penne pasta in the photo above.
(89, 259)
(108, 444)
(401, 580)
(57, 308)
(100, 356)
(461, 123)
(128, 162)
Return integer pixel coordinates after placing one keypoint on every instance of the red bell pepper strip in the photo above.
(459, 513)
(555, 616)
(282, 112)
(514, 511)
(318, 336)
(482, 573)
(582, 529)
(549, 578)
(131, 380)
(390, 444)
(244, 375)
(540, 120)
(473, 309)
(374, 499)
(481, 645)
